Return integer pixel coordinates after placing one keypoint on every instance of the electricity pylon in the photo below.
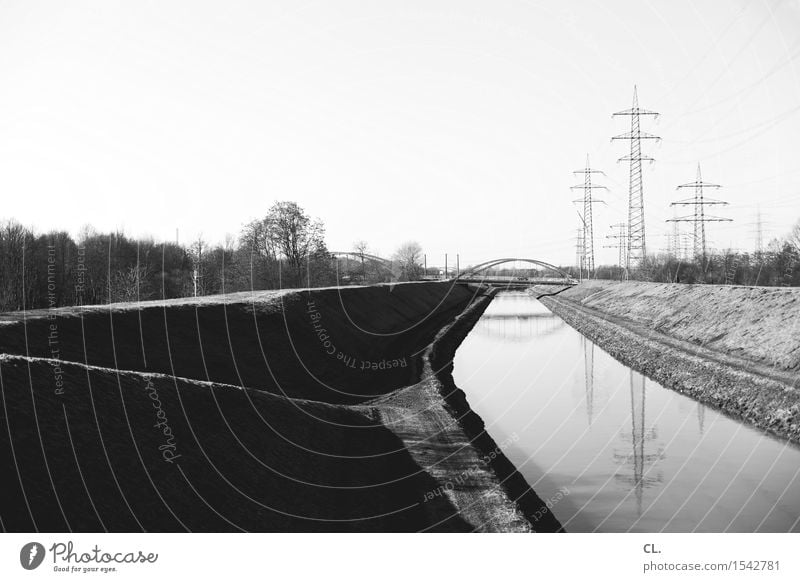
(588, 229)
(579, 257)
(699, 218)
(675, 246)
(759, 232)
(675, 241)
(637, 247)
(621, 237)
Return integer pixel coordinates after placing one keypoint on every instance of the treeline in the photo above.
(777, 266)
(52, 270)
(285, 249)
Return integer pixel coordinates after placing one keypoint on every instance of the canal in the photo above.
(610, 449)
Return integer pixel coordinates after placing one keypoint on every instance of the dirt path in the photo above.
(473, 473)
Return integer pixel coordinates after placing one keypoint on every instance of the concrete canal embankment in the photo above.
(320, 410)
(734, 348)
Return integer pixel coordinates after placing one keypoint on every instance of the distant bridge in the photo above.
(366, 257)
(384, 268)
(476, 274)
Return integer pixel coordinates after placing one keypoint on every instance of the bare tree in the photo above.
(794, 236)
(262, 256)
(409, 257)
(127, 283)
(361, 247)
(13, 238)
(295, 236)
(196, 251)
(255, 236)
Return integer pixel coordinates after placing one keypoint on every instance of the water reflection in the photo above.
(634, 455)
(641, 453)
(588, 376)
(520, 327)
(701, 417)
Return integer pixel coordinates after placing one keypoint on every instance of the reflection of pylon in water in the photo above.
(588, 366)
(640, 459)
(637, 434)
(701, 417)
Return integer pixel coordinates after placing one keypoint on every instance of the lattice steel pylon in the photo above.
(588, 200)
(759, 231)
(621, 236)
(699, 218)
(637, 245)
(675, 249)
(579, 257)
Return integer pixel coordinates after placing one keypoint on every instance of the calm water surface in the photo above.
(613, 450)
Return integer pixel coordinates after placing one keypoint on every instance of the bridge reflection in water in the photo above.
(518, 328)
(633, 455)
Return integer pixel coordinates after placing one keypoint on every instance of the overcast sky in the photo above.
(455, 123)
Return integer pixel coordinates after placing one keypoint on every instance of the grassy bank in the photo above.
(734, 348)
(761, 324)
(273, 411)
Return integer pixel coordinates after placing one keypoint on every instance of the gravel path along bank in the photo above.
(479, 479)
(734, 348)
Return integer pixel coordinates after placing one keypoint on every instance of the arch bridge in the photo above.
(366, 257)
(474, 274)
(477, 274)
(381, 269)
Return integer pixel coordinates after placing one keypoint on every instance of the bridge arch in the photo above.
(473, 271)
(366, 256)
(384, 269)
